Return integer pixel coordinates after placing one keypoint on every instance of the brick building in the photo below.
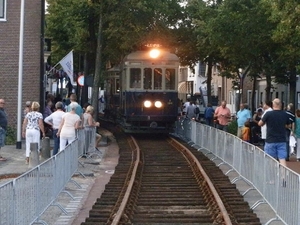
(9, 54)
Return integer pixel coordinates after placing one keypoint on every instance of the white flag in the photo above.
(67, 65)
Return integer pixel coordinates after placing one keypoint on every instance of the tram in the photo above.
(143, 91)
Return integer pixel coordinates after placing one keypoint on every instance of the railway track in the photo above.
(158, 181)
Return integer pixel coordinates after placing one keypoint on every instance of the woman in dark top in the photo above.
(255, 129)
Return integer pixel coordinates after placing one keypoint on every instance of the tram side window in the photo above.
(117, 86)
(135, 78)
(157, 79)
(170, 79)
(147, 78)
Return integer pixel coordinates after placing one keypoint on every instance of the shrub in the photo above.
(11, 136)
(232, 127)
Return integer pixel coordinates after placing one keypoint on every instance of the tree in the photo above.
(130, 25)
(286, 35)
(243, 35)
(201, 13)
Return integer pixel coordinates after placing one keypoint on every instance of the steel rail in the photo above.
(215, 194)
(122, 207)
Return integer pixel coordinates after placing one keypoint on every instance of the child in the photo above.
(246, 132)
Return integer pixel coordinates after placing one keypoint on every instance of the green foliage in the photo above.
(11, 136)
(262, 35)
(232, 127)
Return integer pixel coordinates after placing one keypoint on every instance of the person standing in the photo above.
(246, 132)
(48, 109)
(288, 131)
(47, 112)
(3, 126)
(33, 125)
(27, 108)
(255, 129)
(209, 114)
(88, 121)
(70, 122)
(267, 106)
(190, 112)
(296, 132)
(185, 106)
(243, 115)
(223, 115)
(54, 121)
(78, 110)
(277, 121)
(101, 104)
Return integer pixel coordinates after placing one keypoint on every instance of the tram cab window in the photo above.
(135, 78)
(157, 79)
(170, 79)
(147, 78)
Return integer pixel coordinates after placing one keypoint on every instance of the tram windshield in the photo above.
(152, 78)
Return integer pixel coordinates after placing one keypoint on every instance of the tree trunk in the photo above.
(208, 82)
(253, 95)
(98, 68)
(84, 93)
(293, 84)
(268, 87)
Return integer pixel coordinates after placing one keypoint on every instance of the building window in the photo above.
(2, 10)
(202, 69)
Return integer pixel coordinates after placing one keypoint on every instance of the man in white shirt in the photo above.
(190, 113)
(54, 120)
(185, 106)
(267, 107)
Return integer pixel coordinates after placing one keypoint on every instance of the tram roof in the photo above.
(144, 55)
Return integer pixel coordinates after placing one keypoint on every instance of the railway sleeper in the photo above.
(199, 220)
(172, 196)
(102, 207)
(167, 223)
(168, 203)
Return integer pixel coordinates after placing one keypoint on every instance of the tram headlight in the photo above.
(147, 104)
(158, 104)
(154, 53)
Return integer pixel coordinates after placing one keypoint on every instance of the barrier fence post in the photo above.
(45, 150)
(34, 155)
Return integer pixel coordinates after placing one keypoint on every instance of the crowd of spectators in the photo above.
(271, 126)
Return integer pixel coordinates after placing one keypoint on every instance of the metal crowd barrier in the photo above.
(27, 197)
(89, 149)
(278, 185)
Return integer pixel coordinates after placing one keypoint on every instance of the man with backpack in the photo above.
(197, 112)
(209, 114)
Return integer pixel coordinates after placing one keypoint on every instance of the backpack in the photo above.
(197, 110)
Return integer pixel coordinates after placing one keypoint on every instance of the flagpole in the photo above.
(53, 67)
(60, 61)
(20, 77)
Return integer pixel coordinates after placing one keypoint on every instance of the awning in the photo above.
(182, 87)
